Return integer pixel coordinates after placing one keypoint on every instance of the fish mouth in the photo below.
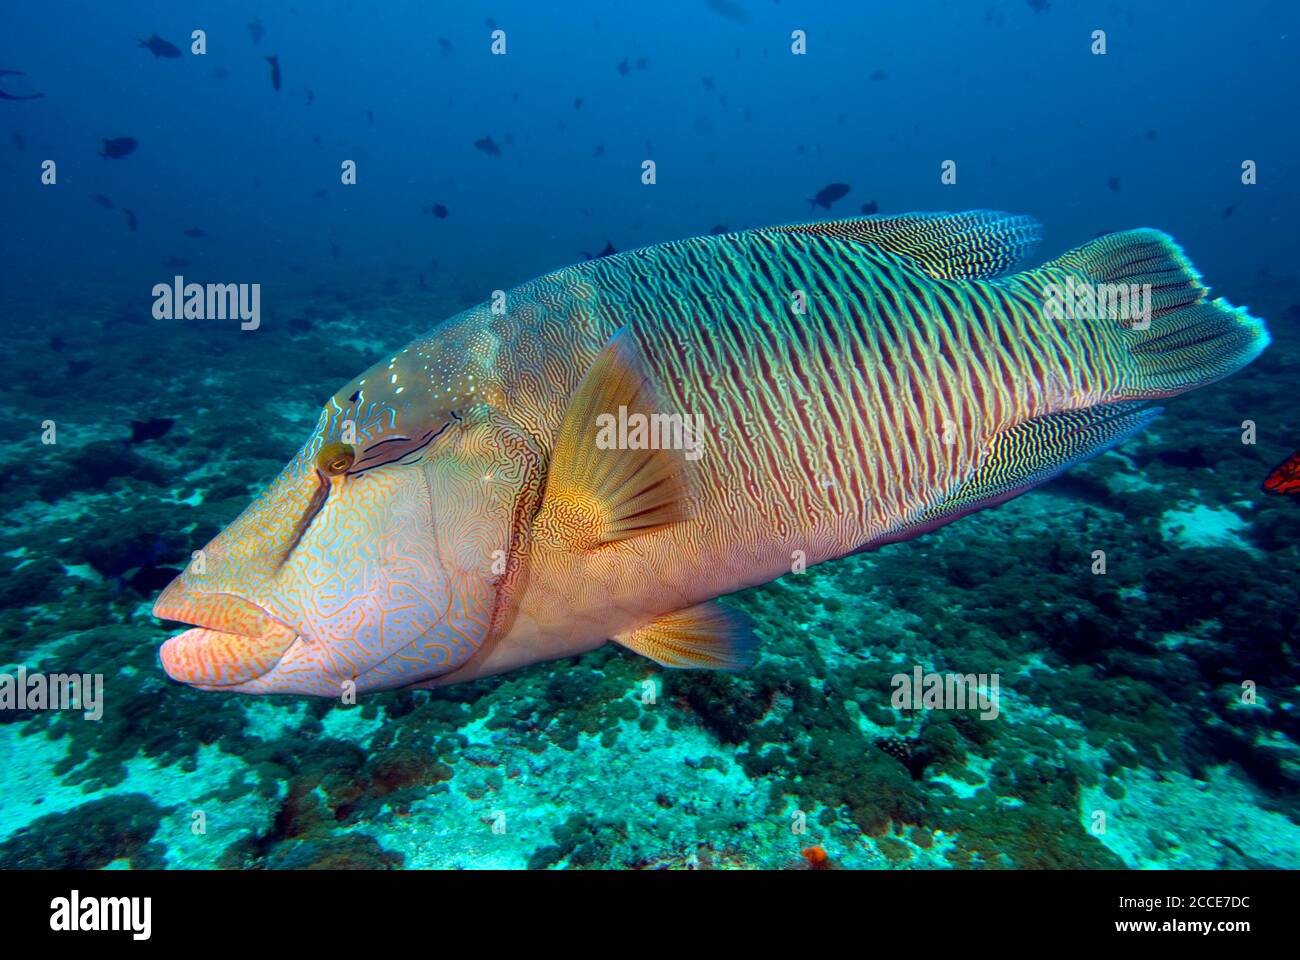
(231, 641)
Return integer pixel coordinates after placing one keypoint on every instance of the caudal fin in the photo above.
(1154, 332)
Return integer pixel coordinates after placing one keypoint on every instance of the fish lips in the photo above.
(232, 640)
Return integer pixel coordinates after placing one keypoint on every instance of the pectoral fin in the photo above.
(598, 491)
(708, 636)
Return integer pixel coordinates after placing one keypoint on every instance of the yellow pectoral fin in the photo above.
(607, 482)
(707, 636)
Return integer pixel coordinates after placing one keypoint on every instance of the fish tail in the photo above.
(1150, 330)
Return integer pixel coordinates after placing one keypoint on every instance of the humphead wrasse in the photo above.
(608, 449)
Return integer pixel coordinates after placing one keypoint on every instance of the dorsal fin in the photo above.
(973, 245)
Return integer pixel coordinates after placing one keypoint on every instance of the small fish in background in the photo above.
(423, 285)
(445, 46)
(490, 23)
(1284, 479)
(577, 103)
(607, 252)
(102, 200)
(316, 140)
(19, 141)
(176, 263)
(488, 146)
(319, 193)
(370, 118)
(622, 67)
(256, 31)
(195, 233)
(717, 229)
(1150, 134)
(437, 210)
(708, 82)
(600, 148)
(275, 72)
(334, 249)
(130, 220)
(119, 147)
(1113, 183)
(16, 96)
(642, 63)
(160, 48)
(311, 97)
(57, 343)
(828, 195)
(155, 428)
(879, 75)
(1038, 6)
(220, 73)
(1229, 210)
(726, 8)
(870, 207)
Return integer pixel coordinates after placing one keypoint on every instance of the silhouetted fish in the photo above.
(310, 97)
(608, 251)
(870, 207)
(879, 75)
(828, 195)
(1113, 183)
(577, 103)
(445, 45)
(220, 73)
(130, 220)
(102, 200)
(160, 47)
(16, 96)
(1038, 6)
(1284, 479)
(622, 67)
(370, 118)
(600, 148)
(256, 31)
(438, 210)
(19, 141)
(726, 8)
(1229, 210)
(718, 228)
(152, 429)
(487, 145)
(118, 147)
(275, 71)
(195, 232)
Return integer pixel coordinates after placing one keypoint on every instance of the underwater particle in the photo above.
(275, 72)
(160, 48)
(828, 195)
(1284, 479)
(118, 147)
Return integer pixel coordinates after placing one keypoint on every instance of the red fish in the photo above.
(1285, 477)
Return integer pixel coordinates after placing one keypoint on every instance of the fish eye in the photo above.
(336, 458)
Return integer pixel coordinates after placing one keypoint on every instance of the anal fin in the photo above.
(1034, 452)
(707, 636)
